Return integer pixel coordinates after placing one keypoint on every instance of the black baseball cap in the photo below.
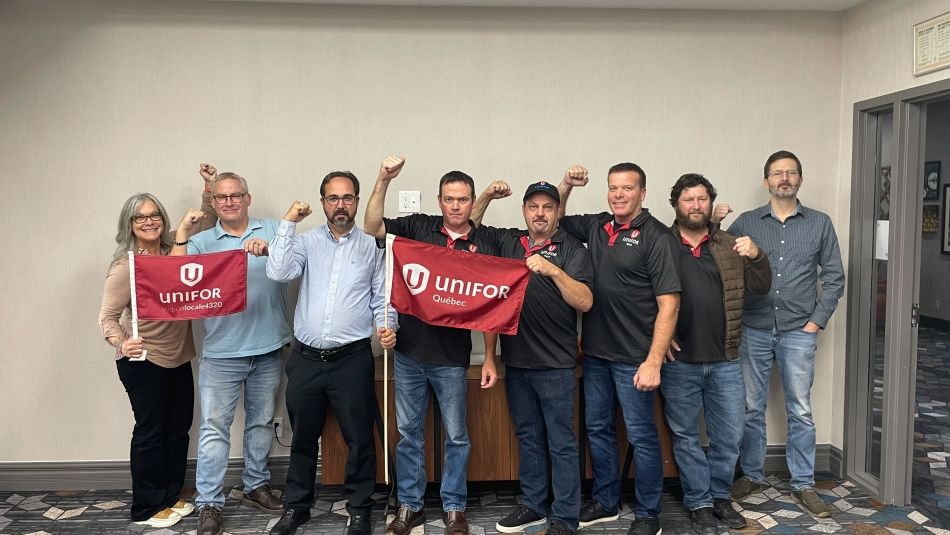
(543, 187)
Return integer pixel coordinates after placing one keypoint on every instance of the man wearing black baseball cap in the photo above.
(541, 358)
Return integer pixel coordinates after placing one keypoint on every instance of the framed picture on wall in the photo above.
(945, 242)
(931, 181)
(931, 219)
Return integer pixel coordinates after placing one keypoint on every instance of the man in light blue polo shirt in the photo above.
(238, 350)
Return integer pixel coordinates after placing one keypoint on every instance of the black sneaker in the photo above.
(519, 519)
(723, 510)
(704, 523)
(645, 526)
(594, 513)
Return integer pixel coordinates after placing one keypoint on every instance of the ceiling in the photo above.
(741, 5)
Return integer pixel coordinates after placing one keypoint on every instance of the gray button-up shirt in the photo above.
(797, 247)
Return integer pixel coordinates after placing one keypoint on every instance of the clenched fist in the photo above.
(576, 175)
(256, 246)
(746, 247)
(719, 213)
(498, 189)
(297, 212)
(189, 223)
(207, 172)
(540, 265)
(391, 167)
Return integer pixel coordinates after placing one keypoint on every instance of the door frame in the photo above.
(903, 270)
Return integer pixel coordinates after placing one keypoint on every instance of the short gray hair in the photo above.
(230, 176)
(124, 237)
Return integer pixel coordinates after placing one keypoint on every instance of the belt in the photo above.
(332, 354)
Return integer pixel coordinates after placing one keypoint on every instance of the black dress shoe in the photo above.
(722, 509)
(360, 524)
(291, 520)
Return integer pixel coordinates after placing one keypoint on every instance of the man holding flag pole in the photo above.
(435, 355)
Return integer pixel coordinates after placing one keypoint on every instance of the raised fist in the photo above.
(391, 167)
(719, 213)
(498, 189)
(207, 172)
(298, 211)
(576, 175)
(189, 223)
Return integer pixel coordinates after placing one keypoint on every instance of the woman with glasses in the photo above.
(160, 387)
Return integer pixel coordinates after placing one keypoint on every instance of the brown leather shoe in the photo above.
(264, 498)
(405, 520)
(455, 523)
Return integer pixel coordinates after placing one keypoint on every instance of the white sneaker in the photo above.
(183, 508)
(161, 519)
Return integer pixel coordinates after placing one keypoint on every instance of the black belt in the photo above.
(332, 354)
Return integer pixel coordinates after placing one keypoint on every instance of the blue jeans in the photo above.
(542, 407)
(606, 382)
(795, 353)
(717, 388)
(412, 399)
(219, 387)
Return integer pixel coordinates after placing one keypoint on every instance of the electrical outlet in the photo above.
(279, 427)
(410, 202)
(936, 304)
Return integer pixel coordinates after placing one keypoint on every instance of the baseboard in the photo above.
(96, 475)
(828, 458)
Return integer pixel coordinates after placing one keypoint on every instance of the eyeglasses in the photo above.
(157, 216)
(334, 199)
(789, 173)
(223, 199)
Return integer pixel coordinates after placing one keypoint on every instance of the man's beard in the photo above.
(784, 194)
(342, 219)
(693, 224)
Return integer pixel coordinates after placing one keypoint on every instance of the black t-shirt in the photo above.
(443, 346)
(633, 264)
(547, 328)
(701, 328)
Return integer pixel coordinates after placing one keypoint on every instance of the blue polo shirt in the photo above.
(263, 326)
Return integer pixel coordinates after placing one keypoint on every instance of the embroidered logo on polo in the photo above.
(549, 252)
(472, 248)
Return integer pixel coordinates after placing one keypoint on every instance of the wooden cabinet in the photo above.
(494, 453)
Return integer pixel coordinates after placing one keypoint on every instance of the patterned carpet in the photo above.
(772, 511)
(931, 482)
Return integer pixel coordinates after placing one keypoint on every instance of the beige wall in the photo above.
(877, 59)
(99, 100)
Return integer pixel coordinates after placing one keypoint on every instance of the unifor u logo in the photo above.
(191, 273)
(416, 277)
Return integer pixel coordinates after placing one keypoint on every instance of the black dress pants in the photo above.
(163, 401)
(342, 381)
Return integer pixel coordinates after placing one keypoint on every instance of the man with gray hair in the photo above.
(240, 350)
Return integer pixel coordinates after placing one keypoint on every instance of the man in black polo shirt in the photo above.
(625, 338)
(431, 355)
(716, 269)
(540, 359)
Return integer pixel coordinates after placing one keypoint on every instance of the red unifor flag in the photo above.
(189, 287)
(453, 288)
